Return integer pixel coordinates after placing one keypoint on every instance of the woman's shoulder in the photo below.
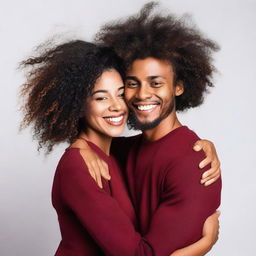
(72, 159)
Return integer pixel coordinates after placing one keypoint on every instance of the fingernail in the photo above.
(205, 175)
(207, 183)
(197, 147)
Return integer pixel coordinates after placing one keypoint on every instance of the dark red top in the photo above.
(92, 220)
(164, 181)
(163, 178)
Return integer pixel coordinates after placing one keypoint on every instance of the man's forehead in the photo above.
(150, 67)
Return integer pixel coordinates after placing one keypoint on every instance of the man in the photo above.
(168, 67)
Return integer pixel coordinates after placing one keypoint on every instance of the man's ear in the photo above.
(179, 88)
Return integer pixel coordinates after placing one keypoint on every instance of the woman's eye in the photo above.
(101, 98)
(121, 95)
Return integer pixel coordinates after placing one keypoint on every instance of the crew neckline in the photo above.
(170, 134)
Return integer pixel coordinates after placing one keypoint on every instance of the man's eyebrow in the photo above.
(131, 78)
(154, 77)
(120, 88)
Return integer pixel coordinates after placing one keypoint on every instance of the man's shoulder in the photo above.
(180, 143)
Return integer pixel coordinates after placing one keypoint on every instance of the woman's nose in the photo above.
(115, 105)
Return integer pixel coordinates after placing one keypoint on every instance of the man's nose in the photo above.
(143, 92)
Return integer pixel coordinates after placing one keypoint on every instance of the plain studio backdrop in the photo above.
(28, 222)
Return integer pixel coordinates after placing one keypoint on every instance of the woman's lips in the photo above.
(115, 120)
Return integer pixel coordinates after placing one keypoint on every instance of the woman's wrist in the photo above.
(206, 243)
(199, 248)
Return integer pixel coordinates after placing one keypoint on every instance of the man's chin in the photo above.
(135, 124)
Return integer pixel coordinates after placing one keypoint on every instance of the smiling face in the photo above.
(150, 92)
(106, 111)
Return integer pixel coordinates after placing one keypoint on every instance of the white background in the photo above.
(28, 223)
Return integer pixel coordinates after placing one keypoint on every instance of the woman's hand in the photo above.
(211, 175)
(211, 228)
(96, 166)
(204, 245)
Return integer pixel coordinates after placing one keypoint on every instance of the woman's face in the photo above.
(106, 111)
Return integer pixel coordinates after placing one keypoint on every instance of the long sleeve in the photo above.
(177, 222)
(98, 212)
(185, 205)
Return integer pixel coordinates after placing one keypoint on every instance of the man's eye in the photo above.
(131, 84)
(121, 95)
(156, 84)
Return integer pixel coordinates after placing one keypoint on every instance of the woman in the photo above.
(74, 93)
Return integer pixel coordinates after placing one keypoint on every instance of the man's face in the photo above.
(150, 92)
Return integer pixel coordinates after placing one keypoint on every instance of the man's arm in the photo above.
(185, 205)
(204, 245)
(110, 227)
(98, 212)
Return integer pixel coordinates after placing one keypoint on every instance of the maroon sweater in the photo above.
(164, 181)
(164, 184)
(92, 220)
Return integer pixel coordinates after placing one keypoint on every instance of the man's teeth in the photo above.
(146, 107)
(115, 119)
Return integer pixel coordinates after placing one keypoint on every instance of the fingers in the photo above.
(103, 169)
(197, 147)
(205, 162)
(213, 171)
(98, 179)
(92, 173)
(96, 166)
(209, 180)
(210, 175)
(95, 173)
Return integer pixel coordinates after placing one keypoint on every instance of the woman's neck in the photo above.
(100, 140)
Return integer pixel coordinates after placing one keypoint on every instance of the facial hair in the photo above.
(134, 124)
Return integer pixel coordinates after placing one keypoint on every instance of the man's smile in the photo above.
(145, 107)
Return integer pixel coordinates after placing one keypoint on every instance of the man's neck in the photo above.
(167, 125)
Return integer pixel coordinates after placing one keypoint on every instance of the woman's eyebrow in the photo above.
(105, 91)
(99, 91)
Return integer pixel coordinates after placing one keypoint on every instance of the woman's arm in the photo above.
(98, 168)
(204, 245)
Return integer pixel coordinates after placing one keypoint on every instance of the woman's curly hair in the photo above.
(168, 38)
(58, 82)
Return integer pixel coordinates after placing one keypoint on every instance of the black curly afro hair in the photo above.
(168, 38)
(58, 82)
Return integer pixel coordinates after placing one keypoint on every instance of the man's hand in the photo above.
(214, 172)
(96, 166)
